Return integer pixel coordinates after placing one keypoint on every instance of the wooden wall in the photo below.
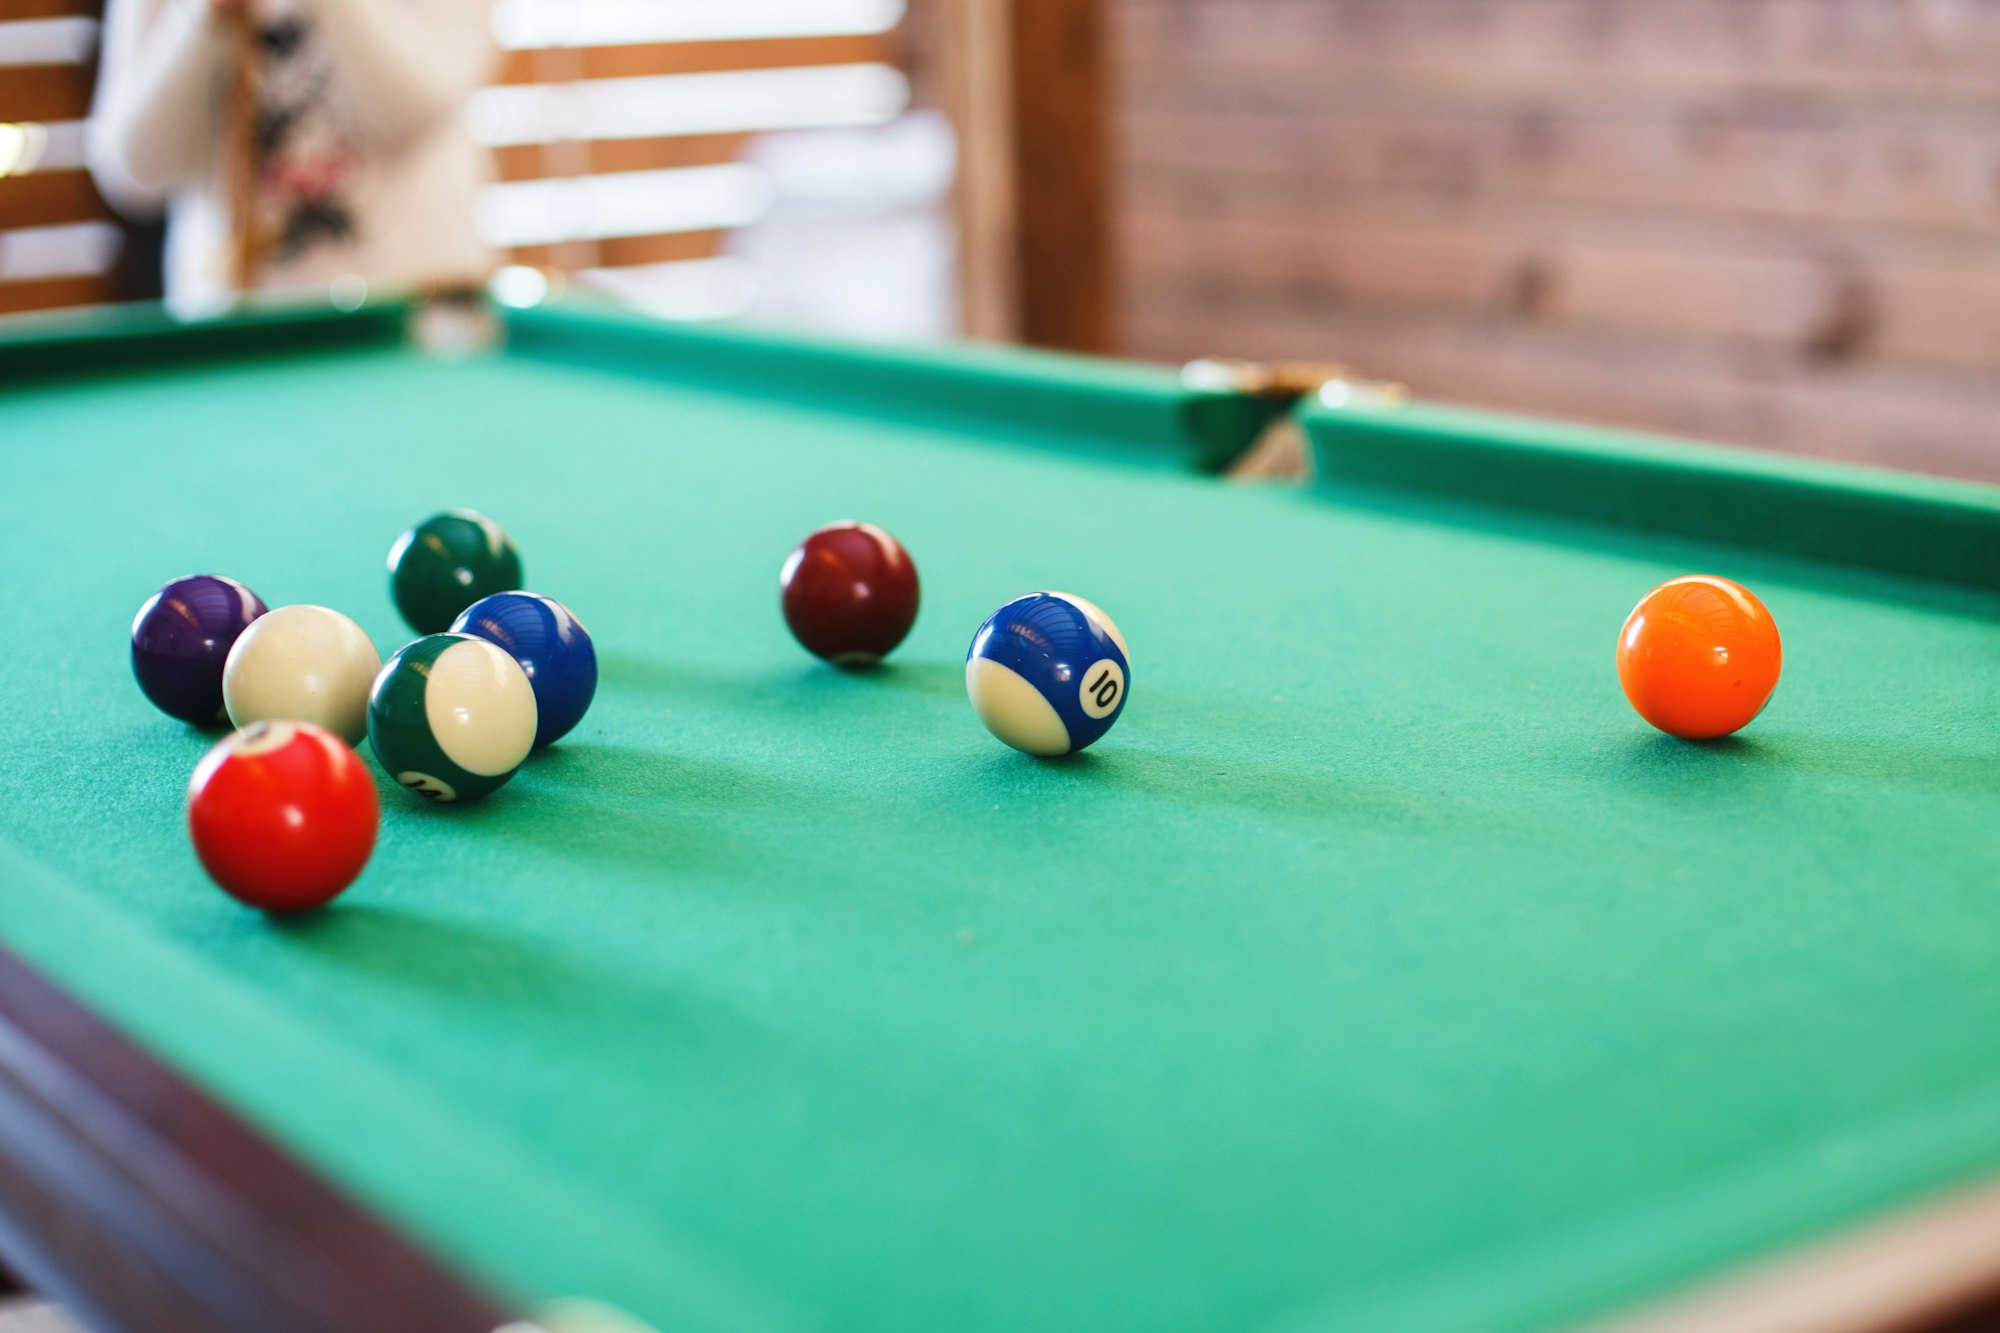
(1774, 222)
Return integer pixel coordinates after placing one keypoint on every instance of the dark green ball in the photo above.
(448, 562)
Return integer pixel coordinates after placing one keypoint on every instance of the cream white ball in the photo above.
(302, 664)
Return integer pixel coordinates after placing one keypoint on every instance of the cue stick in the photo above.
(240, 147)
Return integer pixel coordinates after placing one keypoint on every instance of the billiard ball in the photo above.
(282, 815)
(1048, 673)
(451, 717)
(302, 664)
(448, 562)
(181, 638)
(551, 645)
(849, 593)
(1699, 657)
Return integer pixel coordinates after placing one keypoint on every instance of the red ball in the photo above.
(283, 815)
(849, 593)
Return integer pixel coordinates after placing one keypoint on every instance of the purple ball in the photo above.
(182, 636)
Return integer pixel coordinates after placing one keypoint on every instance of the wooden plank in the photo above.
(1200, 82)
(1683, 292)
(1062, 152)
(1920, 50)
(1947, 315)
(1024, 85)
(1389, 266)
(1928, 176)
(534, 161)
(54, 293)
(144, 1205)
(1894, 294)
(1200, 79)
(11, 10)
(652, 58)
(46, 198)
(1797, 301)
(970, 53)
(625, 251)
(45, 92)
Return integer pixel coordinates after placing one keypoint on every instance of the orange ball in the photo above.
(1699, 657)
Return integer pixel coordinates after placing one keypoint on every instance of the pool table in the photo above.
(1380, 970)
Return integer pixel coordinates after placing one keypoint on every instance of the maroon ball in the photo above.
(849, 593)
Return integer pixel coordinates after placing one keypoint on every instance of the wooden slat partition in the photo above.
(1774, 223)
(63, 195)
(11, 10)
(49, 197)
(629, 251)
(526, 161)
(624, 62)
(53, 293)
(45, 92)
(574, 158)
(62, 92)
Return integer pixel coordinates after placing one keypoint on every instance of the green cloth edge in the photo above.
(1934, 528)
(1125, 401)
(117, 338)
(1129, 402)
(1651, 1252)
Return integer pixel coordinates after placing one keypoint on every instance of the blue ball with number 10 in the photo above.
(1048, 673)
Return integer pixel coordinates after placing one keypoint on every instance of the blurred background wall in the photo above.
(1775, 222)
(1772, 222)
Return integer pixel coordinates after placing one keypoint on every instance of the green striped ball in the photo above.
(451, 717)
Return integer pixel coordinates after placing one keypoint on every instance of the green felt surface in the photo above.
(1379, 971)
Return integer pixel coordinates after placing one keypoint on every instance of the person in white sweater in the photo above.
(296, 143)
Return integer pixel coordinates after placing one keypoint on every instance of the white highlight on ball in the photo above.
(481, 707)
(1014, 710)
(302, 664)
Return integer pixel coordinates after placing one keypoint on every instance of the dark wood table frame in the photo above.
(144, 1206)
